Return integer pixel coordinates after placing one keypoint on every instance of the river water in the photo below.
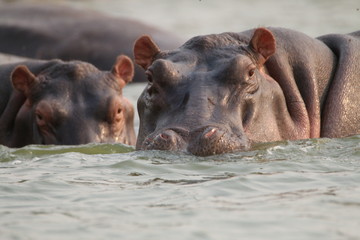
(308, 189)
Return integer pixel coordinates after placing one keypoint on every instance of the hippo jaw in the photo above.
(203, 141)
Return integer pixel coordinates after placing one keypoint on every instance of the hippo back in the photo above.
(341, 116)
(47, 32)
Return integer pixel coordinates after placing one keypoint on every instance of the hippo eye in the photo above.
(39, 117)
(40, 120)
(251, 72)
(149, 76)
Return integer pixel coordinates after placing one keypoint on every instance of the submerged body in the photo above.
(56, 102)
(48, 32)
(223, 92)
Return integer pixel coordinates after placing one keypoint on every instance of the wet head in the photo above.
(74, 103)
(210, 96)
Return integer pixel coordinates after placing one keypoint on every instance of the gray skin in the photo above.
(65, 103)
(224, 92)
(48, 32)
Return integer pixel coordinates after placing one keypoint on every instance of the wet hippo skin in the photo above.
(67, 103)
(46, 32)
(224, 92)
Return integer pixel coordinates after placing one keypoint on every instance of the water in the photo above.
(288, 190)
(306, 189)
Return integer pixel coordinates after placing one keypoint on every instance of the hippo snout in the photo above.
(204, 141)
(165, 140)
(213, 140)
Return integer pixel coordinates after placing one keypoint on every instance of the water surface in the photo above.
(287, 190)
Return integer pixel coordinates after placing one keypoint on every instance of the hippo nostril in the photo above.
(165, 140)
(210, 132)
(167, 135)
(164, 136)
(210, 140)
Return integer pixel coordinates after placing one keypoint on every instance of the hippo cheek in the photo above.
(214, 140)
(23, 127)
(44, 119)
(126, 125)
(118, 126)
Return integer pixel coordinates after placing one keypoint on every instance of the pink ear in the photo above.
(123, 68)
(263, 42)
(22, 79)
(144, 51)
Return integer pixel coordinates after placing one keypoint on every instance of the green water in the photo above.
(305, 189)
(288, 190)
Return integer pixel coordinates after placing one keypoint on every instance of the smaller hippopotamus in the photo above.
(224, 92)
(65, 103)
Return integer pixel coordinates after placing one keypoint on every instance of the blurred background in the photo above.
(196, 17)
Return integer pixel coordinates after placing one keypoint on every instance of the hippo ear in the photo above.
(263, 42)
(123, 69)
(22, 79)
(144, 51)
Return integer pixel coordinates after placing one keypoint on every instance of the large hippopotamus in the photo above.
(67, 103)
(51, 31)
(224, 92)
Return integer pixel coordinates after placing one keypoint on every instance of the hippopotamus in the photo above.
(52, 31)
(225, 92)
(65, 103)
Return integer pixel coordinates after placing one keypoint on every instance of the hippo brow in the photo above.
(73, 70)
(215, 41)
(250, 53)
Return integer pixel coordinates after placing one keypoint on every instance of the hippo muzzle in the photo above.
(203, 141)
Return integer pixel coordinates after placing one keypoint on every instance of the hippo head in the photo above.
(212, 95)
(73, 103)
